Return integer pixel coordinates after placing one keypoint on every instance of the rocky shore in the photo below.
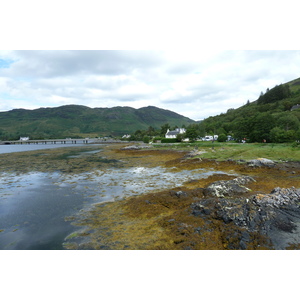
(255, 205)
(274, 217)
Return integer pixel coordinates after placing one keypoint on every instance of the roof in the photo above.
(174, 132)
(295, 106)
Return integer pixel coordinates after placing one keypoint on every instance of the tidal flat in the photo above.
(105, 197)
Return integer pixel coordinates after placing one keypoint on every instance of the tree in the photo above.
(260, 127)
(288, 121)
(277, 93)
(179, 137)
(222, 137)
(279, 135)
(191, 133)
(164, 129)
(146, 139)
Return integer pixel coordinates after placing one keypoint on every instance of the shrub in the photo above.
(168, 140)
(146, 139)
(222, 138)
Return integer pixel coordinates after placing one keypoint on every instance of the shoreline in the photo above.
(163, 220)
(160, 219)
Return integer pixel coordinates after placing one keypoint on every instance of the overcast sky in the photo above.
(196, 84)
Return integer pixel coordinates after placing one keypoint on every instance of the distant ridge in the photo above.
(80, 121)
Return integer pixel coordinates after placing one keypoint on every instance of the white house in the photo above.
(297, 106)
(126, 136)
(24, 138)
(173, 134)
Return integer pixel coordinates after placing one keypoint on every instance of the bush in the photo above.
(168, 140)
(296, 145)
(222, 138)
(146, 139)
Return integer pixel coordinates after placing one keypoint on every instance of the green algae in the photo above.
(72, 235)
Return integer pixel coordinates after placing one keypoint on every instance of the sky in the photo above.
(196, 84)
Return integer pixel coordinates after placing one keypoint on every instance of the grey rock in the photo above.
(275, 216)
(228, 188)
(179, 194)
(261, 162)
(135, 147)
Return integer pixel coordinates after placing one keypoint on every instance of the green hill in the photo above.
(80, 121)
(273, 117)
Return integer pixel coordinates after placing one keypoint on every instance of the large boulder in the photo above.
(275, 216)
(228, 188)
(261, 162)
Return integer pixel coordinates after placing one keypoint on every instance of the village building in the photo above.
(173, 134)
(126, 136)
(297, 106)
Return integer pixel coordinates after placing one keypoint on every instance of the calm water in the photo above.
(34, 206)
(24, 148)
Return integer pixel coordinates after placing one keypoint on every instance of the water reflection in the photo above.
(32, 212)
(33, 147)
(33, 206)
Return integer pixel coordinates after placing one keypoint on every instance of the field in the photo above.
(236, 151)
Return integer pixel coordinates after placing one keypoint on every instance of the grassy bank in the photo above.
(235, 151)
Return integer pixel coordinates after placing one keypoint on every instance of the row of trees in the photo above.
(277, 93)
(193, 132)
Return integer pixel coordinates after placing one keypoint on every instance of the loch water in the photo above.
(33, 147)
(37, 208)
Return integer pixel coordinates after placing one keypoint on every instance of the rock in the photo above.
(194, 153)
(261, 162)
(179, 194)
(279, 198)
(275, 216)
(135, 147)
(228, 188)
(131, 148)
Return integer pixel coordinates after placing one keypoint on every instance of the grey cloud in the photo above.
(183, 68)
(65, 63)
(189, 85)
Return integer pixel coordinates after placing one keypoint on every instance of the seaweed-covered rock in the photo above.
(228, 188)
(276, 216)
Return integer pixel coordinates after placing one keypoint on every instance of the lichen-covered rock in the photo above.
(261, 162)
(280, 197)
(276, 216)
(228, 188)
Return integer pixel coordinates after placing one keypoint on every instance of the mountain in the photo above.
(273, 117)
(80, 121)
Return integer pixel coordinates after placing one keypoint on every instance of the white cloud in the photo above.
(195, 83)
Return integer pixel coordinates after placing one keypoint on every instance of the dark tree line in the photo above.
(269, 119)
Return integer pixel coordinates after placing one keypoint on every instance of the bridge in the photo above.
(50, 141)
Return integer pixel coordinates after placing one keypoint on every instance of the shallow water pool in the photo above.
(35, 207)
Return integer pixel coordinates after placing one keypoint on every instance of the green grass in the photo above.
(225, 151)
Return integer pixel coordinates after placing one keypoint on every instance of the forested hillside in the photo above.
(273, 117)
(82, 121)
